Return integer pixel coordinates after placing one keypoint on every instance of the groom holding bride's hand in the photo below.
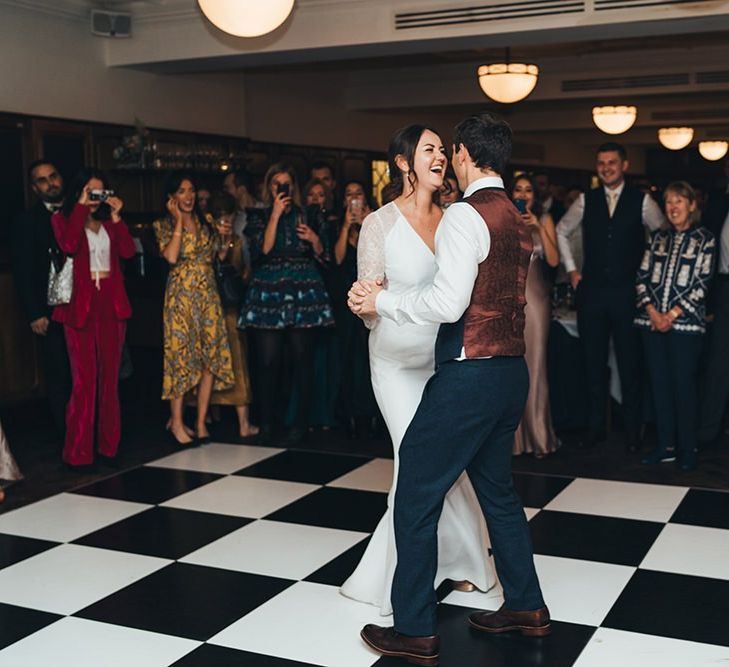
(471, 406)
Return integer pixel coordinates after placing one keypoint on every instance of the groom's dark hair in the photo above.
(487, 139)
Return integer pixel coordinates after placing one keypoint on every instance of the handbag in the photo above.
(230, 284)
(60, 280)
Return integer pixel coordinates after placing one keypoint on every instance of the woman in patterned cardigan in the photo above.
(672, 284)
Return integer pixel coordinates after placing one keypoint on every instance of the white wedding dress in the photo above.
(402, 361)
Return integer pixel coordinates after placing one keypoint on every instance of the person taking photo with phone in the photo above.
(535, 434)
(196, 349)
(89, 229)
(286, 300)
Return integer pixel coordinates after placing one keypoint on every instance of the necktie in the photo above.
(612, 202)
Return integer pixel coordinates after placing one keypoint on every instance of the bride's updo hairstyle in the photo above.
(403, 143)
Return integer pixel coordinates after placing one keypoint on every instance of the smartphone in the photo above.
(283, 189)
(100, 195)
(521, 205)
(356, 208)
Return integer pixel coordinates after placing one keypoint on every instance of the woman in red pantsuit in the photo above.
(93, 233)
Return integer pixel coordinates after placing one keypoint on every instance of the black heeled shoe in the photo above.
(182, 445)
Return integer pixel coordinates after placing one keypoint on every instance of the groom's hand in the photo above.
(362, 297)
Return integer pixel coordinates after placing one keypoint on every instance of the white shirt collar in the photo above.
(617, 191)
(485, 182)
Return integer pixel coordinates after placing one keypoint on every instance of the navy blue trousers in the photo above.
(673, 362)
(465, 421)
(603, 312)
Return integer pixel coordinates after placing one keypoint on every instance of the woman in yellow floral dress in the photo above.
(196, 349)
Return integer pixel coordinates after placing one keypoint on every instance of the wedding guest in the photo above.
(613, 218)
(286, 301)
(356, 209)
(196, 349)
(550, 204)
(8, 468)
(89, 229)
(324, 172)
(240, 185)
(316, 193)
(715, 395)
(671, 286)
(328, 343)
(32, 244)
(230, 249)
(535, 434)
(203, 200)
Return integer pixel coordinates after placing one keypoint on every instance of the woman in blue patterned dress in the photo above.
(286, 301)
(671, 288)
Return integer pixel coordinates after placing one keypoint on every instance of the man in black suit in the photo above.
(33, 242)
(614, 218)
(716, 376)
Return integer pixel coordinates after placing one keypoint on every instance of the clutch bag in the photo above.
(60, 282)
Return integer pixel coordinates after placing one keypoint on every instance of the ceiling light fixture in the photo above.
(713, 150)
(675, 138)
(507, 82)
(246, 18)
(614, 120)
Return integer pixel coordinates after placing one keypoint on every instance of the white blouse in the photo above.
(99, 252)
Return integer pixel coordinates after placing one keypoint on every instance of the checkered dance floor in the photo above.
(232, 555)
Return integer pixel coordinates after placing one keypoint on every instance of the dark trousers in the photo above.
(715, 394)
(57, 374)
(603, 312)
(673, 366)
(465, 421)
(285, 364)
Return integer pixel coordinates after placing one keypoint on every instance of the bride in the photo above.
(397, 245)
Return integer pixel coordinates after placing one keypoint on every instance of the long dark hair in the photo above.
(403, 142)
(172, 184)
(76, 187)
(537, 206)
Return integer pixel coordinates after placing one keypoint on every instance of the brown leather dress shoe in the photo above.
(528, 623)
(416, 650)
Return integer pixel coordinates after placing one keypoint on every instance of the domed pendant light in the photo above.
(507, 82)
(614, 120)
(246, 18)
(713, 150)
(675, 138)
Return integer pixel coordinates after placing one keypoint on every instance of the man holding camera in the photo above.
(33, 244)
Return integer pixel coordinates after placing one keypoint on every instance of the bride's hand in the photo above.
(362, 297)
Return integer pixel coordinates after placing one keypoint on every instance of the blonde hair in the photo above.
(273, 170)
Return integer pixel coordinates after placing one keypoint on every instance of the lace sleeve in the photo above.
(371, 255)
(371, 250)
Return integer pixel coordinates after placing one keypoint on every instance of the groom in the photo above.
(471, 406)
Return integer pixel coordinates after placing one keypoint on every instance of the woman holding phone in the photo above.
(196, 350)
(286, 300)
(535, 434)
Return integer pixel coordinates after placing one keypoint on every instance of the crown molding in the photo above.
(74, 11)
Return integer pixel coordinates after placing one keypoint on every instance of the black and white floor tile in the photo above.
(232, 555)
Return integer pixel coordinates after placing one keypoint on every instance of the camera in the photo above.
(100, 195)
(283, 189)
(521, 205)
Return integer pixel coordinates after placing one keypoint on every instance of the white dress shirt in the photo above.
(652, 219)
(462, 242)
